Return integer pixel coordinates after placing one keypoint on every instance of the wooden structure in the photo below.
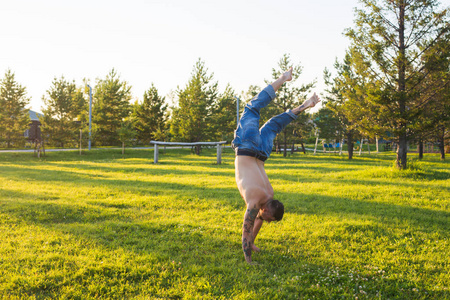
(217, 144)
(33, 133)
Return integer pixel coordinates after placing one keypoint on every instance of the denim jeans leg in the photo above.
(273, 127)
(262, 99)
(247, 135)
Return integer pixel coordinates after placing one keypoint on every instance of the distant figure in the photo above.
(253, 146)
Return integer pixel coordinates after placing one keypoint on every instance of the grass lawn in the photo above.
(107, 226)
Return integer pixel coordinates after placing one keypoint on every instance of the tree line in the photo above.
(393, 83)
(200, 111)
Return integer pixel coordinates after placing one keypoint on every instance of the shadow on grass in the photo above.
(415, 180)
(426, 220)
(183, 252)
(48, 210)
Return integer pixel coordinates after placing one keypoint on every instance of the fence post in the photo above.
(219, 154)
(360, 146)
(156, 154)
(80, 140)
(315, 147)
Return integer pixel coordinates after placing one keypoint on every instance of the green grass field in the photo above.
(107, 226)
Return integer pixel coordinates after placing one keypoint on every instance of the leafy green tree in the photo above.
(347, 97)
(111, 106)
(14, 117)
(440, 119)
(301, 130)
(192, 119)
(224, 115)
(392, 37)
(161, 134)
(336, 102)
(328, 123)
(81, 102)
(434, 120)
(150, 116)
(246, 96)
(288, 96)
(126, 133)
(63, 105)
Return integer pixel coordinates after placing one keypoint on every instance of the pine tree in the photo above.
(150, 116)
(126, 133)
(392, 36)
(288, 96)
(301, 129)
(434, 120)
(192, 119)
(225, 112)
(14, 117)
(63, 105)
(347, 97)
(328, 123)
(111, 106)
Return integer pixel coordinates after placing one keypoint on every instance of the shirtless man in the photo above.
(253, 146)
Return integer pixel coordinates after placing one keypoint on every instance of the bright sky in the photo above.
(159, 41)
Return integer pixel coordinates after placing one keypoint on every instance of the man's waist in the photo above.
(246, 152)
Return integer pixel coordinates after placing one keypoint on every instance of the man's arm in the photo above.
(247, 231)
(256, 228)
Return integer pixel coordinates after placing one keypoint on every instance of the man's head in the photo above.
(272, 211)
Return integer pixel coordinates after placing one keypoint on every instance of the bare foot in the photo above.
(288, 74)
(255, 249)
(311, 102)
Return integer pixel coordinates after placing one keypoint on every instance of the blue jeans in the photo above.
(248, 136)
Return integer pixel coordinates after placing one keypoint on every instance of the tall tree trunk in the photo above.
(350, 144)
(285, 143)
(317, 140)
(402, 142)
(376, 141)
(402, 152)
(303, 148)
(441, 142)
(442, 148)
(420, 149)
(292, 148)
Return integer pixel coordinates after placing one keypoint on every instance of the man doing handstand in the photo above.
(253, 146)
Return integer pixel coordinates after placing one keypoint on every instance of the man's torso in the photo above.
(252, 180)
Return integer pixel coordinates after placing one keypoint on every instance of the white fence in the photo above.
(217, 144)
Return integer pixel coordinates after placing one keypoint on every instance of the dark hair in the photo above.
(277, 209)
